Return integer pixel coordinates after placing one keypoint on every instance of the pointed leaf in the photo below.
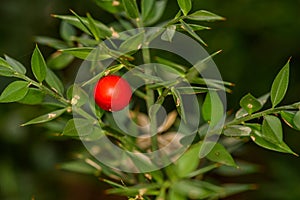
(220, 155)
(185, 6)
(86, 53)
(17, 66)
(272, 129)
(257, 137)
(38, 65)
(46, 117)
(78, 127)
(280, 85)
(78, 166)
(203, 15)
(131, 8)
(93, 28)
(77, 95)
(54, 82)
(190, 30)
(250, 104)
(15, 91)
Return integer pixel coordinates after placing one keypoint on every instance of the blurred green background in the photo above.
(257, 39)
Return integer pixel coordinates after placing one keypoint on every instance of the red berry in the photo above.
(112, 93)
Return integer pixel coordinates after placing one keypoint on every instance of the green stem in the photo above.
(264, 113)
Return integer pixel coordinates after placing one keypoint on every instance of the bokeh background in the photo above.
(257, 39)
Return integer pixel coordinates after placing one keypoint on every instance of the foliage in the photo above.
(184, 178)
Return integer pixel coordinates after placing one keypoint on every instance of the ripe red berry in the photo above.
(112, 93)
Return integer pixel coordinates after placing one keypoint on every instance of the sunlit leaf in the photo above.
(280, 85)
(15, 91)
(203, 15)
(250, 104)
(185, 6)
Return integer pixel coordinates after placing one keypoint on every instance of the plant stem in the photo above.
(263, 113)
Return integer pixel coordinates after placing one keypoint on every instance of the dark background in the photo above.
(257, 39)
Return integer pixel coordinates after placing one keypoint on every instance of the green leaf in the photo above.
(93, 28)
(156, 13)
(66, 31)
(78, 166)
(54, 82)
(131, 8)
(203, 15)
(146, 7)
(237, 131)
(212, 108)
(185, 6)
(38, 65)
(16, 65)
(190, 30)
(257, 137)
(189, 161)
(46, 117)
(86, 53)
(280, 85)
(111, 6)
(288, 118)
(6, 71)
(51, 42)
(4, 63)
(83, 24)
(78, 127)
(34, 96)
(15, 91)
(250, 104)
(59, 60)
(168, 34)
(296, 120)
(133, 43)
(220, 155)
(272, 129)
